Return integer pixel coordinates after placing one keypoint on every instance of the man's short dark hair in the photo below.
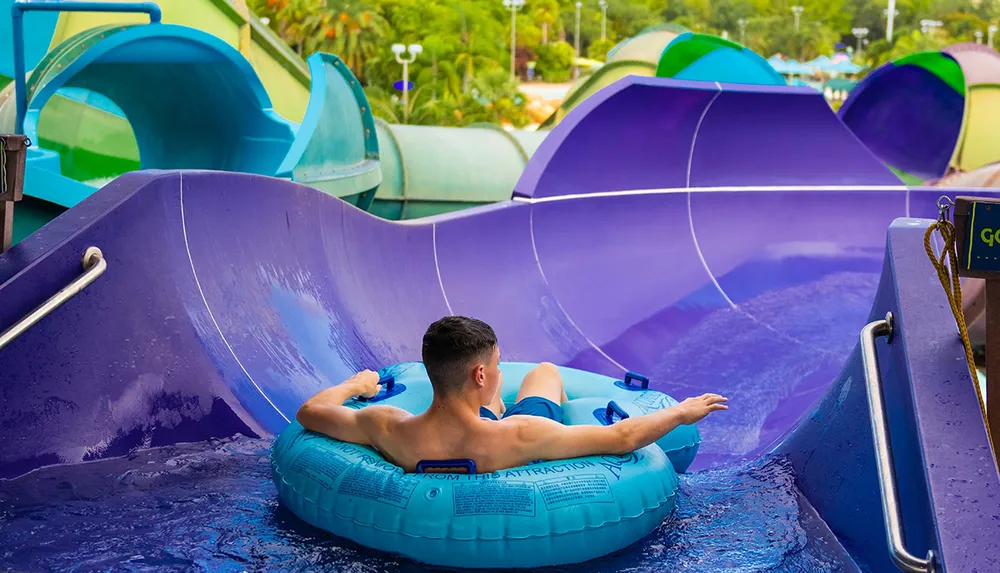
(451, 345)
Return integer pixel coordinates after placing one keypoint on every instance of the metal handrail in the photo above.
(883, 452)
(94, 266)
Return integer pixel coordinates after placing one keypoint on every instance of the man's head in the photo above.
(461, 355)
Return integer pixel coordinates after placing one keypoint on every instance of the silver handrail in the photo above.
(94, 266)
(883, 452)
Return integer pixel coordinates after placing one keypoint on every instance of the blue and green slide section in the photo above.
(930, 114)
(670, 51)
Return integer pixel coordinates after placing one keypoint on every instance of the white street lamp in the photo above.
(859, 33)
(414, 50)
(890, 17)
(576, 40)
(992, 30)
(604, 19)
(513, 6)
(576, 35)
(743, 30)
(797, 10)
(979, 36)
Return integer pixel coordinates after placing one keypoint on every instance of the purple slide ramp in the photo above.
(658, 133)
(229, 299)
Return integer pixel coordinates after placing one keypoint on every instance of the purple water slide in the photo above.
(910, 117)
(636, 135)
(229, 299)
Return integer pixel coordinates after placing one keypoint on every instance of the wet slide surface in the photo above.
(230, 299)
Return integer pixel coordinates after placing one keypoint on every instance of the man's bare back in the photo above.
(454, 427)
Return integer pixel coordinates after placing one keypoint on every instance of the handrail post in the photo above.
(883, 451)
(19, 7)
(94, 266)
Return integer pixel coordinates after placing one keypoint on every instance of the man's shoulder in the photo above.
(384, 411)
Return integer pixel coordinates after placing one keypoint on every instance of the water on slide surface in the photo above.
(211, 506)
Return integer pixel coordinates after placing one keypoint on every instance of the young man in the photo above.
(462, 361)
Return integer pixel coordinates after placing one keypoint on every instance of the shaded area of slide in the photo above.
(231, 298)
(930, 113)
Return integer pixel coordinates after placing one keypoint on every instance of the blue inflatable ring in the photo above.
(546, 513)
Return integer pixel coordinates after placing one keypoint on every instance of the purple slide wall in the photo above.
(229, 299)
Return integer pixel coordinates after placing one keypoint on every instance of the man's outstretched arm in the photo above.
(325, 412)
(541, 439)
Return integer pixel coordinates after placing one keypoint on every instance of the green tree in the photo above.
(300, 23)
(500, 98)
(599, 50)
(555, 61)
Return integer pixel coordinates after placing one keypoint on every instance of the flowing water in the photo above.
(212, 507)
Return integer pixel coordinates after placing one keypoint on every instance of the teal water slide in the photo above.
(194, 102)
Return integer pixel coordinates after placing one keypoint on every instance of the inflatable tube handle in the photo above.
(643, 380)
(614, 408)
(388, 382)
(467, 464)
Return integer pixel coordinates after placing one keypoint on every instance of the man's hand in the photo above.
(694, 409)
(364, 383)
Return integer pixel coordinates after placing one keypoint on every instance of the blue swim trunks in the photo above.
(529, 406)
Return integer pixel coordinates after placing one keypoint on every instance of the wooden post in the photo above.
(993, 358)
(977, 238)
(14, 149)
(6, 225)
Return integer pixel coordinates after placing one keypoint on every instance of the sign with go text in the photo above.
(983, 248)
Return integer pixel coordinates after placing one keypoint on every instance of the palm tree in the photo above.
(546, 13)
(356, 37)
(472, 20)
(302, 23)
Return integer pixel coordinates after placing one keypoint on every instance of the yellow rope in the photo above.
(953, 289)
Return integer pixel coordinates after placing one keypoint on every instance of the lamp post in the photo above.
(890, 16)
(992, 30)
(513, 6)
(743, 30)
(979, 36)
(797, 11)
(576, 40)
(398, 50)
(859, 33)
(604, 19)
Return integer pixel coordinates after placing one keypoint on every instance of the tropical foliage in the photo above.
(555, 61)
(463, 74)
